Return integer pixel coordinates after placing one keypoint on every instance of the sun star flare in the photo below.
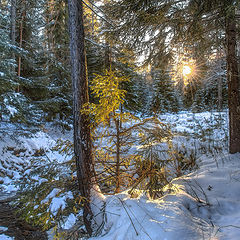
(186, 70)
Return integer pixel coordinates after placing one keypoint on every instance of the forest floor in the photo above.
(204, 204)
(14, 227)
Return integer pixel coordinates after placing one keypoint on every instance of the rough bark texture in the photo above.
(13, 27)
(21, 35)
(13, 22)
(82, 137)
(220, 98)
(117, 124)
(233, 85)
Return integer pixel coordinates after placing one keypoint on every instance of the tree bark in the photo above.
(13, 27)
(13, 22)
(117, 124)
(233, 84)
(23, 16)
(82, 136)
(220, 99)
(20, 45)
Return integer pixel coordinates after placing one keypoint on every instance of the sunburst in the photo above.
(186, 70)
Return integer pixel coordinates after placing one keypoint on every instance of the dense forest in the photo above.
(35, 59)
(128, 101)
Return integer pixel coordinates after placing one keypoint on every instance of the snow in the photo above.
(3, 228)
(97, 205)
(18, 147)
(51, 195)
(201, 205)
(5, 237)
(204, 204)
(69, 222)
(12, 110)
(56, 204)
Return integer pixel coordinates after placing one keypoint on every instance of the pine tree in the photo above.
(225, 12)
(164, 99)
(82, 136)
(233, 82)
(7, 61)
(56, 40)
(195, 24)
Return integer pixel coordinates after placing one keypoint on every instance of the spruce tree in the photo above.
(164, 98)
(82, 136)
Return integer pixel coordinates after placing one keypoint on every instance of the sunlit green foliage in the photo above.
(106, 89)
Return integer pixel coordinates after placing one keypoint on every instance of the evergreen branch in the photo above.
(97, 14)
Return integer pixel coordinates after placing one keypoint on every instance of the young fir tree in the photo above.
(108, 112)
(116, 131)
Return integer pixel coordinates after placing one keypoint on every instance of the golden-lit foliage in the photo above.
(106, 89)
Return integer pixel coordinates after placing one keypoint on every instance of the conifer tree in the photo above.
(82, 135)
(7, 59)
(195, 24)
(164, 99)
(225, 16)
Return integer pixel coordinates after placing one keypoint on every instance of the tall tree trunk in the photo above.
(220, 78)
(118, 146)
(92, 21)
(20, 45)
(108, 57)
(13, 22)
(220, 99)
(82, 137)
(23, 16)
(13, 27)
(233, 85)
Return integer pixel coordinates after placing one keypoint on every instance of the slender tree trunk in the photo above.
(220, 78)
(82, 137)
(13, 22)
(20, 45)
(92, 21)
(108, 57)
(21, 41)
(233, 85)
(13, 28)
(117, 124)
(220, 99)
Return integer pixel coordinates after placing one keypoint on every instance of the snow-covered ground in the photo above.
(19, 146)
(3, 236)
(201, 205)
